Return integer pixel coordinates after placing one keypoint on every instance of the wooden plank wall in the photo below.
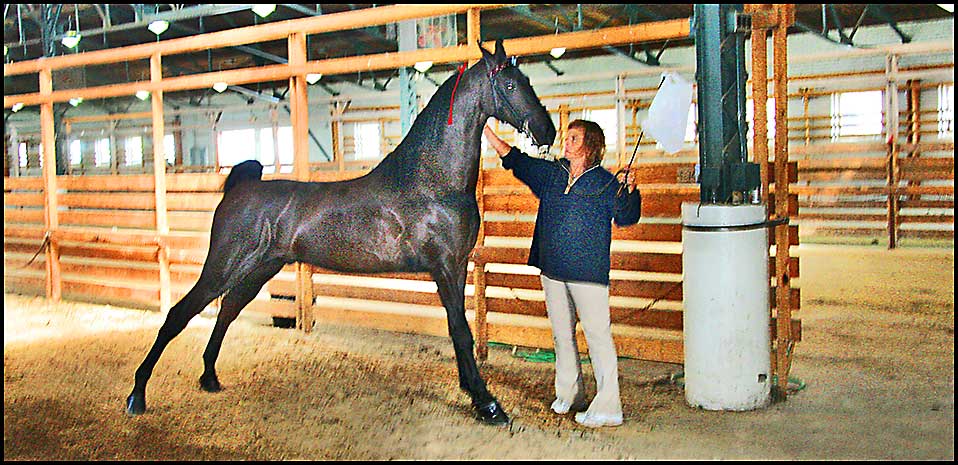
(109, 253)
(896, 184)
(846, 190)
(108, 247)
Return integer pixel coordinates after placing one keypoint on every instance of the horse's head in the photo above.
(513, 99)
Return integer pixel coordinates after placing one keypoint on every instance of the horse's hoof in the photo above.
(136, 404)
(210, 383)
(491, 414)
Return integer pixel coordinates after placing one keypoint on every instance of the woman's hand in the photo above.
(626, 177)
(497, 144)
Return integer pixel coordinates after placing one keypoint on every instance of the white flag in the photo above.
(669, 112)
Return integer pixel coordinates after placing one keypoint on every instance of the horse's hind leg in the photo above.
(451, 286)
(192, 304)
(234, 301)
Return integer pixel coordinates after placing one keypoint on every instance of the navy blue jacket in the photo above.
(573, 232)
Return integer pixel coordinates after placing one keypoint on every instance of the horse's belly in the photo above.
(355, 242)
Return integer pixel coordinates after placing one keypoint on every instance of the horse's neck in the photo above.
(443, 155)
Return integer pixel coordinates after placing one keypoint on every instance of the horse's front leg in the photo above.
(451, 285)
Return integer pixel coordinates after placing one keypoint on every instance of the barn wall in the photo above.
(109, 251)
(859, 213)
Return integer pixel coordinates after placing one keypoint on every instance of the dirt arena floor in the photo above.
(877, 362)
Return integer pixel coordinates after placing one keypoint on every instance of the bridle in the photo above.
(497, 94)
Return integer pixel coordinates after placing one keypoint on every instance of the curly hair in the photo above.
(594, 139)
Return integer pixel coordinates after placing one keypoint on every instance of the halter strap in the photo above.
(495, 90)
(462, 68)
(494, 71)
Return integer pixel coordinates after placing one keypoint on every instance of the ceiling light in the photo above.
(557, 52)
(423, 66)
(70, 39)
(159, 26)
(220, 86)
(76, 101)
(949, 7)
(313, 77)
(17, 106)
(264, 9)
(142, 94)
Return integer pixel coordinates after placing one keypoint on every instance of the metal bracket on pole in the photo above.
(725, 175)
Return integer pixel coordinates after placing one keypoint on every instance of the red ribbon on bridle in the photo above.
(462, 68)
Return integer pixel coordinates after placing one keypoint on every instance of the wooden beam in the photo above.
(247, 35)
(299, 111)
(783, 341)
(159, 180)
(759, 80)
(891, 137)
(524, 46)
(299, 115)
(50, 216)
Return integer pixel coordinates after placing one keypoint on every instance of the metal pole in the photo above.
(726, 177)
(407, 88)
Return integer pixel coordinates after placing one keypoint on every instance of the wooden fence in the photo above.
(109, 252)
(142, 239)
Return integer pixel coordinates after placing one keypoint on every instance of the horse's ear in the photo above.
(500, 50)
(485, 53)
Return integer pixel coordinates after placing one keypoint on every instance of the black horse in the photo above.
(416, 211)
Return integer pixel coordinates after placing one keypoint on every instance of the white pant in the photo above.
(591, 302)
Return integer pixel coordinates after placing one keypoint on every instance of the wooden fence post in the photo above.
(481, 329)
(482, 325)
(891, 137)
(50, 215)
(783, 345)
(159, 180)
(299, 114)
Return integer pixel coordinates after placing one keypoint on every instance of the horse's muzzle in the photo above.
(540, 129)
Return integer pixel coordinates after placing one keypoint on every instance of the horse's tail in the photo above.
(249, 170)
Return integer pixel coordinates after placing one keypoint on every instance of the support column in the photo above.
(759, 101)
(407, 88)
(891, 137)
(726, 176)
(50, 215)
(783, 289)
(159, 179)
(300, 122)
(620, 120)
(481, 329)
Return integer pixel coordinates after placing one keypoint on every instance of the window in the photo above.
(608, 121)
(22, 154)
(133, 147)
(266, 153)
(856, 114)
(169, 149)
(946, 110)
(367, 140)
(237, 146)
(285, 135)
(102, 152)
(76, 156)
(769, 116)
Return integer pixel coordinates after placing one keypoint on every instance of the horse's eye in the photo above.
(510, 86)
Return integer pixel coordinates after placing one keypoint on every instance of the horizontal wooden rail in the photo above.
(663, 30)
(246, 35)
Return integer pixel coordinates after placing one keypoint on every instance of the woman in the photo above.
(578, 200)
